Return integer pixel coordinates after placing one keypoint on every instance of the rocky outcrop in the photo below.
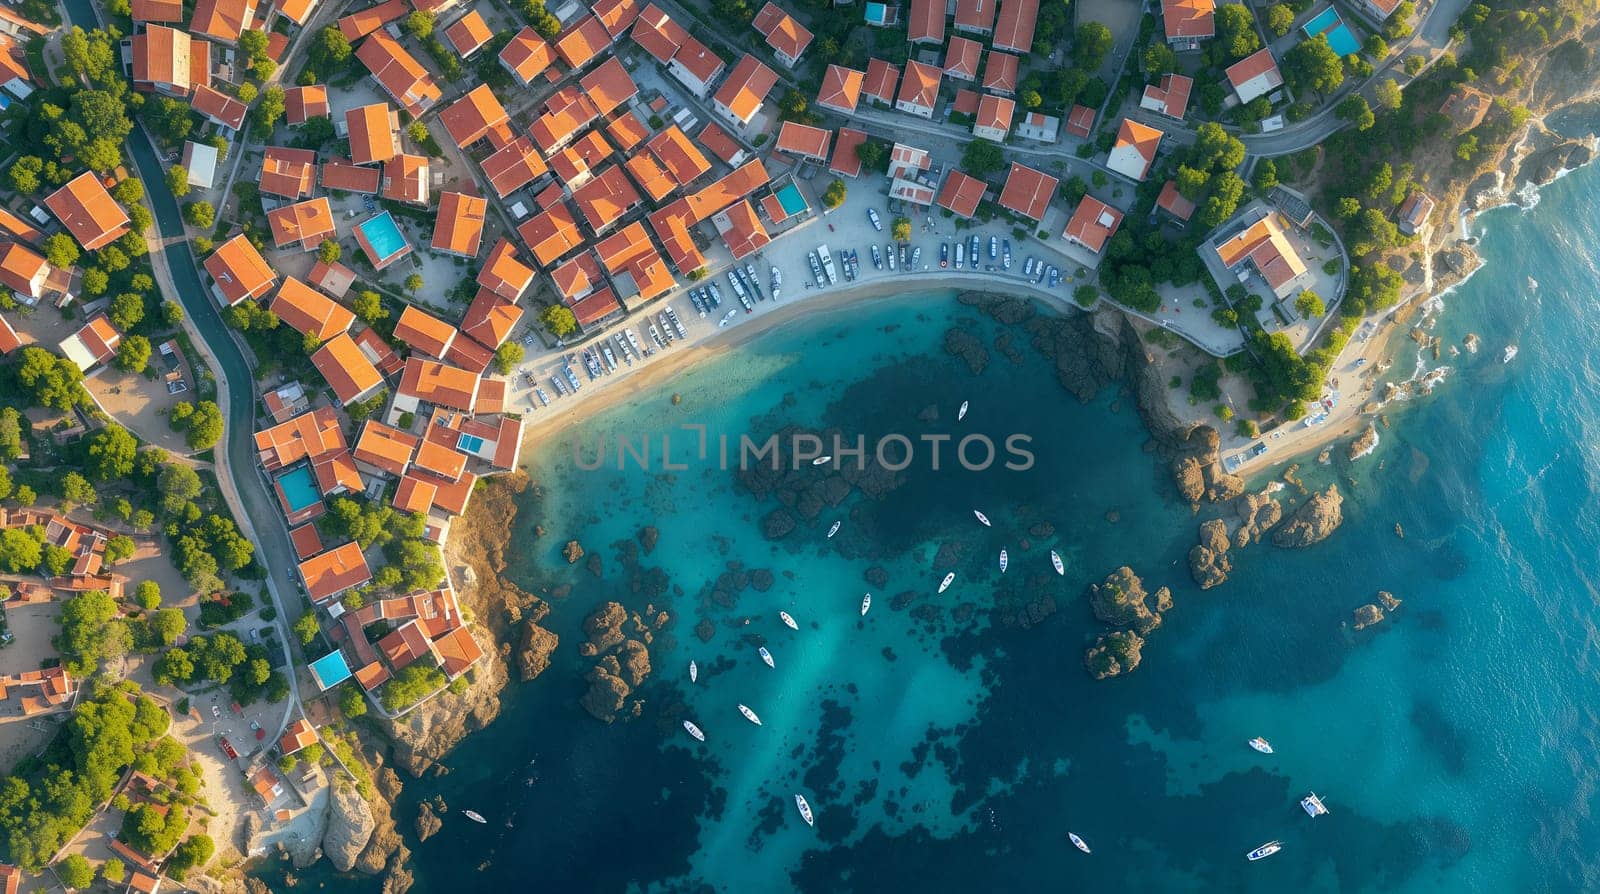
(1113, 654)
(1208, 560)
(572, 552)
(533, 653)
(385, 846)
(967, 348)
(426, 734)
(624, 660)
(1121, 600)
(1317, 518)
(604, 627)
(1257, 514)
(778, 524)
(1364, 443)
(350, 827)
(1366, 616)
(1198, 472)
(428, 821)
(1389, 602)
(1543, 166)
(606, 695)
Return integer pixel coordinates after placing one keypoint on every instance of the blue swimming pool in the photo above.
(1328, 24)
(384, 236)
(299, 490)
(469, 443)
(330, 670)
(792, 201)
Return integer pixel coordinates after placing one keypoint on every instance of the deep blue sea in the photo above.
(946, 749)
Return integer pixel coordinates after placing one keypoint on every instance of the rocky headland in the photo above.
(1316, 518)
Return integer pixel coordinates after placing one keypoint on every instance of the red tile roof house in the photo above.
(1080, 122)
(1170, 97)
(328, 574)
(741, 229)
(1135, 150)
(582, 42)
(27, 273)
(1093, 224)
(695, 66)
(374, 132)
(304, 224)
(606, 198)
(636, 267)
(527, 56)
(301, 104)
(514, 166)
(846, 161)
(658, 33)
(92, 345)
(288, 173)
(961, 59)
(961, 194)
(975, 16)
(468, 35)
(406, 179)
(1255, 75)
(787, 37)
(993, 121)
(347, 370)
(926, 22)
(222, 19)
(1014, 29)
(745, 90)
(1000, 73)
(616, 15)
(458, 229)
(883, 79)
(219, 108)
(88, 212)
(477, 116)
(423, 332)
(841, 89)
(490, 319)
(161, 60)
(919, 90)
(503, 273)
(551, 235)
(1027, 192)
(804, 141)
(609, 85)
(399, 73)
(1377, 10)
(1174, 202)
(239, 272)
(309, 312)
(1187, 22)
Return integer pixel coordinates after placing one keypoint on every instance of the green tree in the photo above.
(1309, 304)
(834, 195)
(1280, 18)
(200, 214)
(126, 311)
(410, 685)
(95, 282)
(268, 109)
(1159, 59)
(351, 703)
(506, 357)
(981, 158)
(24, 174)
(368, 305)
(873, 156)
(1313, 67)
(113, 871)
(111, 453)
(1215, 149)
(171, 313)
(1093, 42)
(193, 853)
(20, 552)
(91, 632)
(900, 229)
(305, 628)
(1266, 175)
(559, 320)
(418, 24)
(1073, 189)
(54, 381)
(413, 283)
(329, 50)
(147, 595)
(175, 666)
(61, 251)
(1236, 31)
(1388, 94)
(1355, 110)
(75, 872)
(328, 252)
(178, 180)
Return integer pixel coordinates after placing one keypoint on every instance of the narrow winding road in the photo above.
(243, 490)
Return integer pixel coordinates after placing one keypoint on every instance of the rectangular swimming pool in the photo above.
(383, 237)
(792, 201)
(469, 443)
(1328, 24)
(298, 491)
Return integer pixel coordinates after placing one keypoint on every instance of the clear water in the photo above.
(331, 669)
(384, 236)
(789, 197)
(299, 489)
(1321, 22)
(1453, 743)
(1328, 23)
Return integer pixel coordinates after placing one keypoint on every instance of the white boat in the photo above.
(1510, 354)
(948, 580)
(750, 715)
(694, 672)
(821, 459)
(788, 621)
(805, 809)
(1261, 745)
(694, 731)
(827, 264)
(475, 816)
(1313, 805)
(1055, 559)
(1264, 851)
(1004, 561)
(834, 530)
(766, 656)
(866, 603)
(1078, 843)
(962, 413)
(983, 518)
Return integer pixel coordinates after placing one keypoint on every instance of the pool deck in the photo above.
(380, 261)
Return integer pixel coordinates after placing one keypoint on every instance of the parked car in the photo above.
(216, 712)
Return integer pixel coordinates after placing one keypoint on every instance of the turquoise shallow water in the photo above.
(951, 750)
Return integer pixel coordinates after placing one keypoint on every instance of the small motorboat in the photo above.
(1055, 559)
(1313, 805)
(1261, 745)
(948, 580)
(788, 621)
(805, 809)
(694, 672)
(821, 459)
(834, 530)
(766, 656)
(982, 518)
(1264, 851)
(1078, 842)
(750, 715)
(475, 816)
(962, 413)
(1510, 354)
(866, 603)
(694, 731)
(1004, 561)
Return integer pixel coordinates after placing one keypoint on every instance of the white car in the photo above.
(216, 712)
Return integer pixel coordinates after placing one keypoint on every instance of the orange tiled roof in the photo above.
(469, 34)
(1093, 223)
(805, 140)
(1174, 202)
(527, 55)
(1184, 19)
(678, 155)
(920, 86)
(577, 277)
(551, 234)
(457, 652)
(1000, 73)
(744, 233)
(161, 56)
(846, 161)
(240, 271)
(606, 197)
(882, 81)
(841, 88)
(961, 58)
(458, 229)
(490, 319)
(609, 85)
(401, 75)
(1013, 30)
(348, 371)
(374, 133)
(630, 251)
(304, 223)
(424, 332)
(221, 19)
(627, 130)
(961, 194)
(340, 174)
(566, 113)
(1027, 192)
(616, 15)
(88, 212)
(330, 573)
(658, 34)
(503, 273)
(746, 88)
(649, 175)
(581, 42)
(439, 384)
(440, 459)
(310, 312)
(290, 173)
(513, 166)
(301, 104)
(738, 184)
(926, 22)
(157, 10)
(218, 107)
(306, 436)
(385, 448)
(671, 226)
(405, 179)
(783, 32)
(975, 15)
(476, 116)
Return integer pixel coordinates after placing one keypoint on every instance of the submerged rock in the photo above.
(1121, 600)
(648, 535)
(1113, 654)
(777, 524)
(1317, 518)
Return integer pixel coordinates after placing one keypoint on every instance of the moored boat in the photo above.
(1055, 559)
(766, 656)
(788, 621)
(694, 730)
(475, 816)
(805, 809)
(1261, 745)
(834, 530)
(1313, 805)
(982, 518)
(948, 580)
(694, 672)
(1510, 354)
(962, 413)
(866, 603)
(750, 715)
(1004, 561)
(1078, 843)
(1264, 851)
(822, 459)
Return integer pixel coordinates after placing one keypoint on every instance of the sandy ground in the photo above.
(32, 626)
(139, 404)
